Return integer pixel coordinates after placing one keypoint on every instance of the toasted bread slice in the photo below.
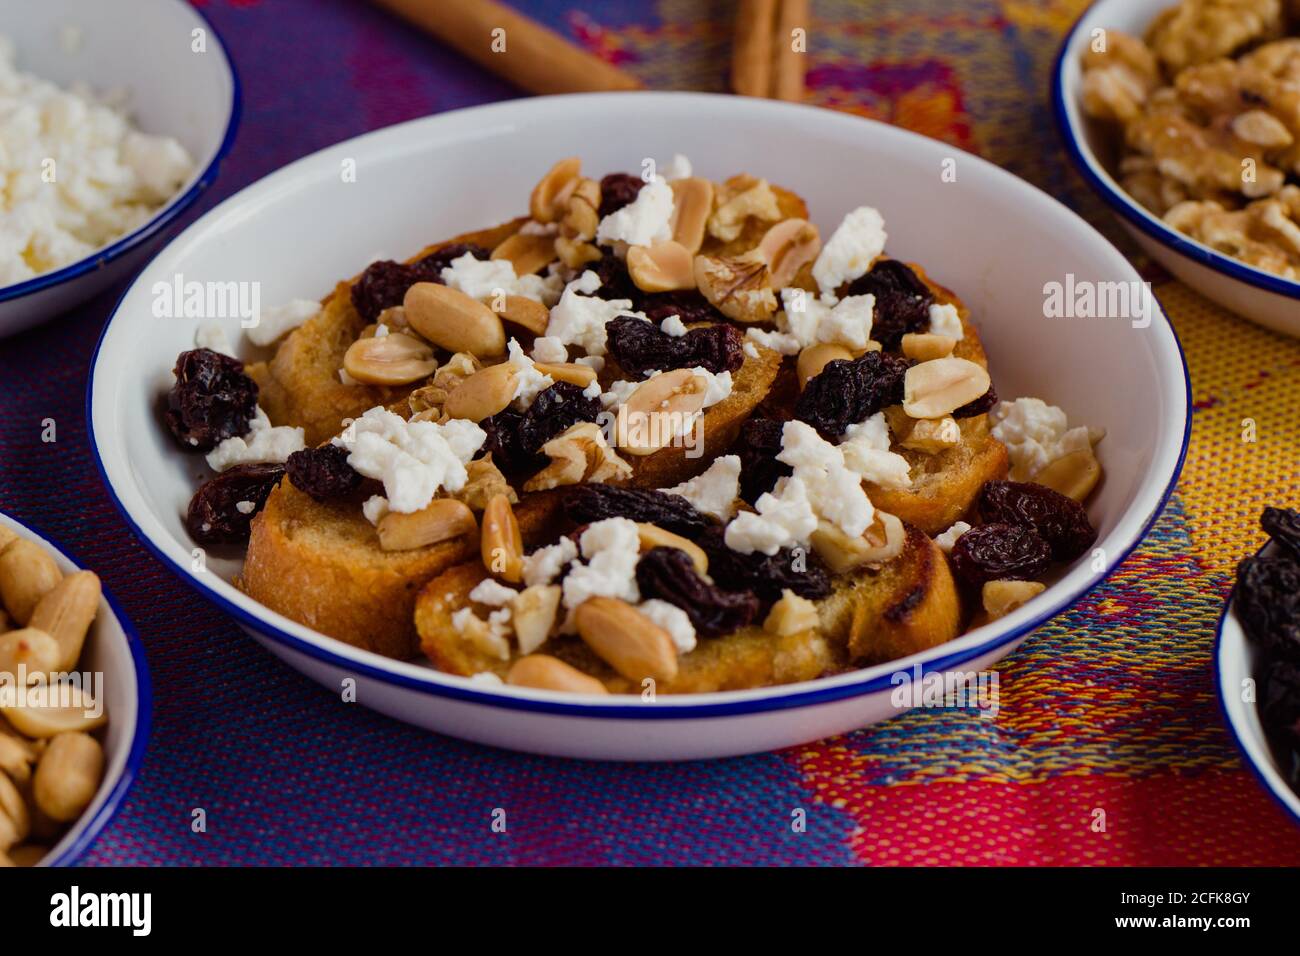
(321, 564)
(909, 605)
(300, 385)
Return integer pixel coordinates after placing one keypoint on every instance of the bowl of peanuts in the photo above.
(74, 703)
(1184, 116)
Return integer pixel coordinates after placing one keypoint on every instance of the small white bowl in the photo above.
(1234, 664)
(1252, 293)
(991, 237)
(113, 649)
(143, 47)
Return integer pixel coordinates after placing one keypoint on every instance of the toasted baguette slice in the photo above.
(321, 565)
(300, 385)
(909, 605)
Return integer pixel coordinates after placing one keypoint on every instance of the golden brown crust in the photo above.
(907, 606)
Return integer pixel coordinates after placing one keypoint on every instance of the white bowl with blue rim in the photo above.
(1254, 294)
(146, 48)
(1234, 677)
(435, 177)
(113, 650)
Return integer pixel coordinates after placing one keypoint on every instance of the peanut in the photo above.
(526, 313)
(791, 614)
(1002, 597)
(937, 388)
(571, 372)
(658, 404)
(68, 775)
(442, 520)
(550, 196)
(926, 346)
(626, 639)
(882, 542)
(66, 613)
(52, 709)
(484, 393)
(33, 649)
(452, 320)
(527, 252)
(15, 818)
(502, 544)
(653, 536)
(533, 615)
(550, 673)
(1074, 474)
(692, 204)
(788, 247)
(932, 435)
(393, 359)
(16, 758)
(662, 267)
(29, 854)
(27, 574)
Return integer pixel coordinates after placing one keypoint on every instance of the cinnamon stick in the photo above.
(751, 50)
(511, 45)
(787, 82)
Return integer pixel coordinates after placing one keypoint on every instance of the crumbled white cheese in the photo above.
(946, 540)
(483, 279)
(490, 636)
(374, 508)
(1037, 434)
(673, 620)
(848, 253)
(865, 447)
(550, 350)
(263, 443)
(784, 519)
(413, 459)
(492, 593)
(529, 382)
(75, 174)
(545, 564)
(274, 322)
(718, 385)
(674, 326)
(642, 221)
(592, 390)
(715, 491)
(834, 489)
(610, 549)
(596, 362)
(245, 507)
(750, 349)
(211, 335)
(945, 320)
(618, 394)
(579, 318)
(807, 320)
(679, 167)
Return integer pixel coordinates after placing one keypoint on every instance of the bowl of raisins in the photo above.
(1257, 659)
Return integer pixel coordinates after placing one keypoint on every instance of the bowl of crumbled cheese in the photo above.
(113, 119)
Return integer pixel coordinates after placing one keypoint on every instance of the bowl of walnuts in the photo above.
(1185, 118)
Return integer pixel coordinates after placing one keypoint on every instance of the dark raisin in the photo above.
(617, 190)
(384, 284)
(1268, 603)
(615, 282)
(212, 399)
(991, 552)
(902, 301)
(1279, 711)
(758, 445)
(215, 516)
(1283, 526)
(688, 306)
(668, 574)
(516, 438)
(587, 503)
(440, 259)
(1059, 520)
(323, 473)
(766, 575)
(640, 347)
(850, 391)
(980, 406)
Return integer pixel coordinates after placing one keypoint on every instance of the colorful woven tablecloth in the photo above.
(1110, 707)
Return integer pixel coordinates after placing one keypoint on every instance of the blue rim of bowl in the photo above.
(666, 711)
(167, 215)
(1127, 208)
(93, 827)
(1221, 699)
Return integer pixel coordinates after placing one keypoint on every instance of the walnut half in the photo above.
(578, 454)
(740, 287)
